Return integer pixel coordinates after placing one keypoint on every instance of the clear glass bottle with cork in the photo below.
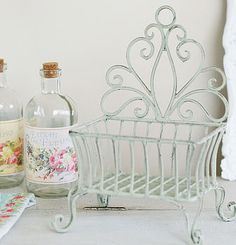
(11, 134)
(50, 159)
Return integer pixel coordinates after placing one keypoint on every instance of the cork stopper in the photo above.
(50, 69)
(1, 65)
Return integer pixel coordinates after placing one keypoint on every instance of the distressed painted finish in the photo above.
(101, 144)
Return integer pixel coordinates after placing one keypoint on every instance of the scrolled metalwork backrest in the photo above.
(179, 96)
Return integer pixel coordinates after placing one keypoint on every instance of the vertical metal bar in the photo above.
(160, 168)
(202, 165)
(175, 162)
(147, 129)
(134, 128)
(100, 164)
(89, 161)
(118, 147)
(132, 154)
(209, 155)
(189, 155)
(146, 162)
(131, 148)
(95, 156)
(199, 165)
(160, 161)
(120, 127)
(106, 145)
(116, 165)
(173, 152)
(214, 157)
(197, 169)
(146, 157)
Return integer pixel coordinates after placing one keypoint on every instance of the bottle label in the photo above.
(11, 147)
(49, 155)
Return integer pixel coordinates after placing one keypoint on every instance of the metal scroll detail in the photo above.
(152, 52)
(231, 207)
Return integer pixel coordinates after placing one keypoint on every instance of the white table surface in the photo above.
(144, 222)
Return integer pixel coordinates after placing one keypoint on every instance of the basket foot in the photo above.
(219, 201)
(103, 200)
(59, 223)
(194, 234)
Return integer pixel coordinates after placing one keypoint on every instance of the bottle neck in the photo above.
(51, 85)
(3, 80)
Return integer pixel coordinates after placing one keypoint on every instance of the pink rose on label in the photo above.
(71, 167)
(51, 175)
(74, 157)
(52, 160)
(5, 216)
(59, 170)
(18, 152)
(55, 160)
(59, 163)
(12, 160)
(62, 153)
(10, 204)
(18, 197)
(11, 155)
(1, 146)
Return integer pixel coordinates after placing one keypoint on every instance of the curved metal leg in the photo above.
(103, 200)
(219, 201)
(59, 223)
(194, 233)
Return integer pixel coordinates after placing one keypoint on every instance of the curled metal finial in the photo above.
(171, 10)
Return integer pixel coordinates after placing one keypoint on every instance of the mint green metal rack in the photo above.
(158, 153)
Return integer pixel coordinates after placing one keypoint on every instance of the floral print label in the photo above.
(49, 155)
(11, 147)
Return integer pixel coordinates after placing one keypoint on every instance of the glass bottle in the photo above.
(50, 159)
(11, 134)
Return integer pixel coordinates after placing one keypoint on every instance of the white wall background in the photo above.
(86, 37)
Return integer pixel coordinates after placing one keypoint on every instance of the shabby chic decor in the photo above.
(160, 150)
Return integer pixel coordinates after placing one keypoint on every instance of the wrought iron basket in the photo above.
(167, 152)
